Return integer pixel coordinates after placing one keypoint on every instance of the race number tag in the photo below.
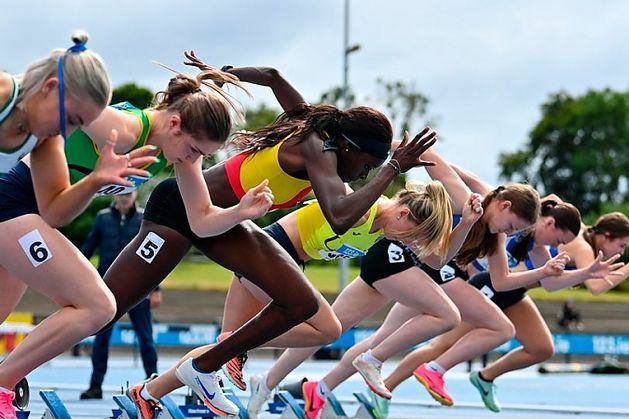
(35, 248)
(150, 247)
(487, 291)
(447, 273)
(396, 254)
(121, 189)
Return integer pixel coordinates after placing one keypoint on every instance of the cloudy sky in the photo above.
(486, 66)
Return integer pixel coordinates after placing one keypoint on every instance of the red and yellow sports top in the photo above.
(247, 170)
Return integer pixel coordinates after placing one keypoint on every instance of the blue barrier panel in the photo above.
(164, 334)
(582, 344)
(202, 334)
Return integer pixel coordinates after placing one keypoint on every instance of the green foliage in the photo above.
(260, 117)
(78, 230)
(140, 97)
(334, 96)
(579, 150)
(403, 104)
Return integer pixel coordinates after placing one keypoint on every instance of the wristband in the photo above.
(396, 165)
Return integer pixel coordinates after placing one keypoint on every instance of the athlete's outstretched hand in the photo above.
(112, 168)
(408, 154)
(556, 265)
(600, 269)
(256, 202)
(473, 209)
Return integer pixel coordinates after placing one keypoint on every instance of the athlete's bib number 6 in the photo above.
(38, 251)
(35, 248)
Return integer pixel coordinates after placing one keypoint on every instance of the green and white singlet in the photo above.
(82, 154)
(10, 157)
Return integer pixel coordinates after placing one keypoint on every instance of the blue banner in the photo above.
(200, 334)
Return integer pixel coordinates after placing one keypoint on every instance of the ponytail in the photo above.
(203, 113)
(430, 207)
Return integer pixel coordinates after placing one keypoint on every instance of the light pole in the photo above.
(347, 49)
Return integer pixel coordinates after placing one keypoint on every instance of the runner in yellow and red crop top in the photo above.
(322, 146)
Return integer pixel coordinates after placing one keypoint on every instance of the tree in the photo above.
(138, 96)
(260, 117)
(403, 103)
(334, 96)
(578, 150)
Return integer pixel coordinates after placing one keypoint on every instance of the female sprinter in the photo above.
(449, 346)
(318, 147)
(55, 95)
(427, 309)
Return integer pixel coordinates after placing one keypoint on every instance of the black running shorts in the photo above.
(502, 299)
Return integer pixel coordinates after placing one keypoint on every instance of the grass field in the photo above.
(210, 276)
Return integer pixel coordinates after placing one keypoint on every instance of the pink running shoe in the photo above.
(433, 381)
(233, 369)
(7, 410)
(314, 403)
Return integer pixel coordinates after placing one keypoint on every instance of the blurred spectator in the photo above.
(569, 319)
(113, 228)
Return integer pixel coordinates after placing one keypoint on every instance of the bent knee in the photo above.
(304, 308)
(333, 330)
(102, 310)
(451, 319)
(506, 330)
(542, 352)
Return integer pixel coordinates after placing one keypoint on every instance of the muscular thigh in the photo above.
(43, 259)
(530, 328)
(248, 250)
(356, 302)
(476, 309)
(144, 264)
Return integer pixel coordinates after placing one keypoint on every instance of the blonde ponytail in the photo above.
(430, 207)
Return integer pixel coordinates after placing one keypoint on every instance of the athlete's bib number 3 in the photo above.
(35, 248)
(150, 247)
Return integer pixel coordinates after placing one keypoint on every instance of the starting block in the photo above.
(55, 409)
(127, 409)
(198, 410)
(243, 414)
(170, 410)
(366, 410)
(333, 408)
(292, 408)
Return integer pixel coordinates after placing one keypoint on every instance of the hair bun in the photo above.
(79, 37)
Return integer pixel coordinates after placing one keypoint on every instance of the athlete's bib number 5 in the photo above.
(149, 248)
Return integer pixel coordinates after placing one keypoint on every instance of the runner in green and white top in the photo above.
(11, 154)
(82, 152)
(56, 94)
